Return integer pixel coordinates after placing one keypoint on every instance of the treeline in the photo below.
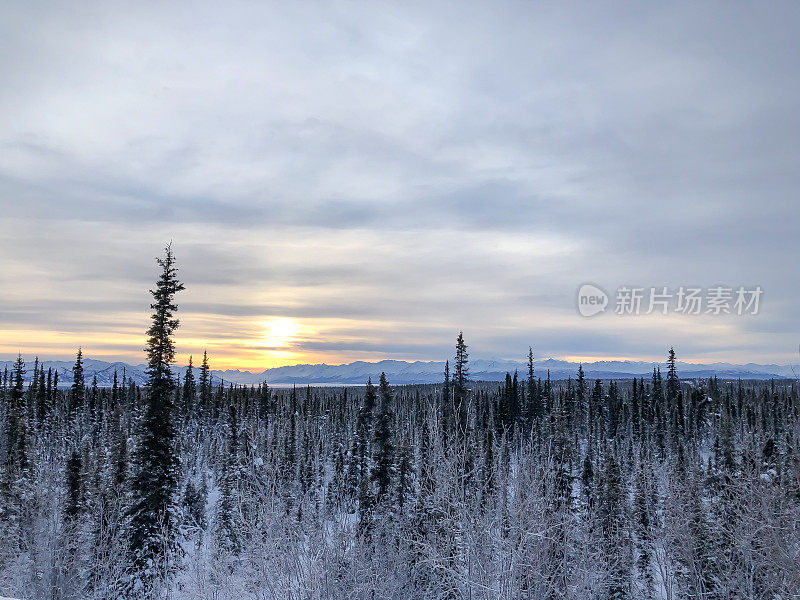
(648, 488)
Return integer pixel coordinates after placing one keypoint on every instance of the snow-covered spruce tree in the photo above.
(673, 382)
(581, 398)
(15, 481)
(95, 407)
(405, 482)
(614, 523)
(77, 392)
(447, 410)
(227, 531)
(366, 500)
(205, 386)
(507, 405)
(643, 522)
(596, 417)
(156, 459)
(71, 572)
(119, 456)
(189, 389)
(74, 484)
(42, 392)
(533, 404)
(383, 443)
(460, 377)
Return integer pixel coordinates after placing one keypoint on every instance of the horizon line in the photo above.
(569, 359)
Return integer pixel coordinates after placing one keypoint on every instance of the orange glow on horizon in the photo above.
(231, 342)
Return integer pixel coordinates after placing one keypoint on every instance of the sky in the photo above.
(356, 181)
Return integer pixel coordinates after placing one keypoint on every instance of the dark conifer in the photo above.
(448, 412)
(189, 390)
(403, 477)
(94, 399)
(534, 409)
(363, 430)
(74, 501)
(673, 382)
(205, 385)
(613, 520)
(42, 392)
(152, 527)
(227, 530)
(16, 467)
(383, 442)
(581, 397)
(77, 391)
(460, 378)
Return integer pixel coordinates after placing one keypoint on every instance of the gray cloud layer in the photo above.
(410, 170)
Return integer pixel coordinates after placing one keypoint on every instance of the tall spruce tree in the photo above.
(596, 417)
(448, 416)
(156, 457)
(119, 453)
(94, 399)
(643, 521)
(460, 377)
(534, 408)
(363, 428)
(41, 396)
(205, 384)
(614, 522)
(21, 475)
(16, 425)
(227, 530)
(673, 382)
(77, 391)
(189, 388)
(16, 468)
(581, 397)
(383, 443)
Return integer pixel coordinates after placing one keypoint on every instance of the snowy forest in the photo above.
(652, 488)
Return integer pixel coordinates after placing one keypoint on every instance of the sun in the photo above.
(280, 332)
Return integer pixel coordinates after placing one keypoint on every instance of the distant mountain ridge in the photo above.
(401, 372)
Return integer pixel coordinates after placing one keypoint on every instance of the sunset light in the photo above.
(399, 300)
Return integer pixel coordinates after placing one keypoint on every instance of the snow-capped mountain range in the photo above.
(403, 372)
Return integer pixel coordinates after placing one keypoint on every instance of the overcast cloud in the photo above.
(382, 175)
